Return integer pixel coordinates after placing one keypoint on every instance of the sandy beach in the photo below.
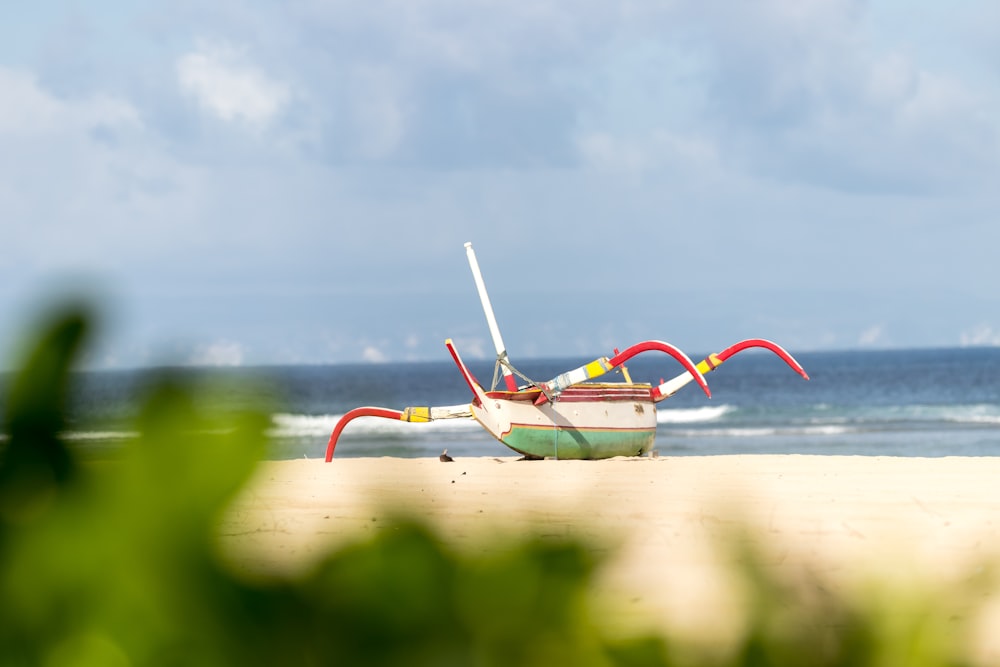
(663, 522)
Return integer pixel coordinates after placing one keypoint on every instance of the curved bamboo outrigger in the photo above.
(569, 416)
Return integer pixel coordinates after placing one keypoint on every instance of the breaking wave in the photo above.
(692, 415)
(764, 431)
(100, 435)
(286, 425)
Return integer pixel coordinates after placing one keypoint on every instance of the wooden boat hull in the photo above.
(596, 421)
(586, 443)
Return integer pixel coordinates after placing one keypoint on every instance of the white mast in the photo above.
(491, 319)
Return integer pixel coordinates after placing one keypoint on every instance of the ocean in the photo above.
(940, 402)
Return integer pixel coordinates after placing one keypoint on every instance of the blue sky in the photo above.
(254, 183)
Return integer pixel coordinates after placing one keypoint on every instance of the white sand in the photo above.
(662, 520)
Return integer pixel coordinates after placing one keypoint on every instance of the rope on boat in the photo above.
(503, 361)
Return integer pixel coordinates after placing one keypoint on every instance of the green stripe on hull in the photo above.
(573, 443)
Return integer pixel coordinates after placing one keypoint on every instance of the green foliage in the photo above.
(794, 618)
(115, 563)
(36, 460)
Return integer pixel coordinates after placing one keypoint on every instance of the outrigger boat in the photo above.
(568, 416)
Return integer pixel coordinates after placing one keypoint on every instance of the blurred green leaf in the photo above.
(35, 459)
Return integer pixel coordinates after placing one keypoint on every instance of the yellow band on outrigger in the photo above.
(709, 364)
(596, 368)
(420, 414)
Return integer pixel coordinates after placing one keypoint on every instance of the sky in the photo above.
(245, 182)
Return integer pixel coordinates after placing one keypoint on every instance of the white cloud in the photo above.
(475, 348)
(218, 353)
(872, 336)
(982, 335)
(29, 111)
(373, 355)
(222, 82)
(67, 164)
(800, 92)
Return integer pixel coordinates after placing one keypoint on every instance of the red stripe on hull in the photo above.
(585, 392)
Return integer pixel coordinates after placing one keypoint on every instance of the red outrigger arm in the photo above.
(713, 361)
(599, 367)
(420, 414)
(694, 372)
(354, 414)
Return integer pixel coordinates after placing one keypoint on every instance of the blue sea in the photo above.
(940, 402)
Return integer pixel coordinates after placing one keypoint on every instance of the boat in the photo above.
(570, 416)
